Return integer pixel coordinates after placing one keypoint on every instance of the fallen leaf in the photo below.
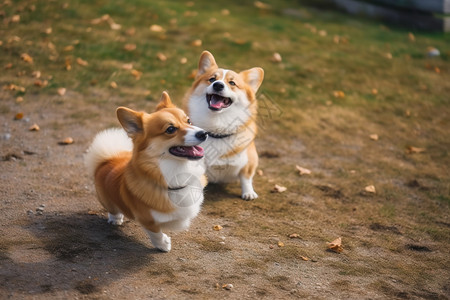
(13, 87)
(338, 94)
(41, 83)
(156, 28)
(137, 74)
(8, 66)
(304, 258)
(336, 245)
(196, 43)
(228, 286)
(388, 55)
(280, 244)
(113, 85)
(336, 39)
(374, 137)
(127, 66)
(322, 33)
(294, 236)
(261, 5)
(276, 57)
(66, 141)
(217, 227)
(114, 26)
(18, 116)
(82, 62)
(370, 189)
(374, 92)
(36, 74)
(302, 171)
(48, 30)
(411, 37)
(19, 99)
(278, 189)
(34, 127)
(225, 12)
(183, 60)
(130, 47)
(437, 70)
(92, 212)
(413, 150)
(62, 91)
(26, 58)
(260, 172)
(68, 48)
(161, 56)
(15, 18)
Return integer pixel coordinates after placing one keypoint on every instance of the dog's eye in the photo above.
(171, 129)
(232, 82)
(189, 121)
(212, 79)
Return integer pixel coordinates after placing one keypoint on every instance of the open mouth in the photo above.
(189, 152)
(217, 102)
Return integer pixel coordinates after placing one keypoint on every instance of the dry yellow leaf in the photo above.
(294, 236)
(336, 39)
(388, 55)
(374, 92)
(115, 26)
(196, 43)
(411, 37)
(261, 5)
(227, 286)
(8, 66)
(68, 48)
(137, 74)
(338, 94)
(62, 91)
(130, 47)
(34, 127)
(304, 258)
(82, 62)
(412, 150)
(19, 99)
(370, 189)
(48, 30)
(322, 33)
(130, 31)
(374, 137)
(276, 57)
(278, 189)
(302, 171)
(260, 172)
(336, 245)
(437, 70)
(280, 244)
(41, 83)
(183, 60)
(156, 28)
(66, 141)
(225, 12)
(217, 227)
(161, 56)
(113, 85)
(26, 58)
(18, 116)
(36, 74)
(127, 66)
(15, 18)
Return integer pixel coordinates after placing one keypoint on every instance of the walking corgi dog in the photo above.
(223, 103)
(150, 170)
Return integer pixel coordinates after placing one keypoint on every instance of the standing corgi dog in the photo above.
(151, 171)
(223, 103)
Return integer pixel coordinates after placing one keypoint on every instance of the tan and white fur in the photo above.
(151, 170)
(223, 103)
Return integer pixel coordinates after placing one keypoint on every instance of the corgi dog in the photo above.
(150, 170)
(223, 103)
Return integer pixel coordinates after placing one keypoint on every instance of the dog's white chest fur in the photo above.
(185, 193)
(223, 170)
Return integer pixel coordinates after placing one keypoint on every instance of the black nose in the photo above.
(201, 135)
(218, 86)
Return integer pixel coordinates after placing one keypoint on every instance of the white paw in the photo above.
(161, 241)
(249, 195)
(115, 219)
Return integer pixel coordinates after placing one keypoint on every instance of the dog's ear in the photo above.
(131, 120)
(253, 77)
(205, 63)
(165, 102)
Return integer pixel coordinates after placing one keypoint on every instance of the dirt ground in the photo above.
(55, 241)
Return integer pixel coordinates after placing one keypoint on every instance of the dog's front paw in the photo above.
(115, 219)
(160, 240)
(249, 196)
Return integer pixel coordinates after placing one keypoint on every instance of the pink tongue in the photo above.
(194, 151)
(216, 103)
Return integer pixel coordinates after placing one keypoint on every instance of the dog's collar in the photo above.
(177, 188)
(218, 135)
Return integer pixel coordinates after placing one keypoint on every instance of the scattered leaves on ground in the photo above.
(217, 227)
(34, 127)
(302, 171)
(374, 137)
(61, 91)
(278, 189)
(370, 189)
(413, 150)
(66, 141)
(336, 245)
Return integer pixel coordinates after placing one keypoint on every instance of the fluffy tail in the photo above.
(106, 144)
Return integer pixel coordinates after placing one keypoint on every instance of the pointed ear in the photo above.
(253, 77)
(131, 120)
(205, 63)
(165, 102)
